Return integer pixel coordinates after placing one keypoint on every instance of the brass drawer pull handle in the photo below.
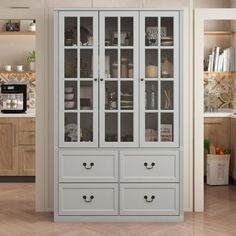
(88, 167)
(149, 167)
(149, 200)
(89, 200)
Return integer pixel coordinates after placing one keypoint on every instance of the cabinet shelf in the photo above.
(11, 33)
(215, 33)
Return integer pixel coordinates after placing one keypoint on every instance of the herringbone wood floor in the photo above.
(17, 218)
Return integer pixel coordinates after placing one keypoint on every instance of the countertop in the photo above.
(222, 113)
(29, 113)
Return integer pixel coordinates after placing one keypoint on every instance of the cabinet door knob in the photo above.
(149, 166)
(88, 167)
(101, 79)
(95, 79)
(90, 199)
(142, 79)
(147, 199)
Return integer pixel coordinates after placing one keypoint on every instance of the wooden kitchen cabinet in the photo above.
(8, 147)
(233, 147)
(17, 146)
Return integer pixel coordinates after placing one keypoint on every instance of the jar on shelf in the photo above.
(131, 70)
(114, 70)
(124, 68)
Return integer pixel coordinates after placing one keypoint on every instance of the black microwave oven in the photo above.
(13, 98)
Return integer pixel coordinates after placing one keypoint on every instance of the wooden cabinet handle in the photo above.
(88, 200)
(149, 199)
(149, 166)
(88, 167)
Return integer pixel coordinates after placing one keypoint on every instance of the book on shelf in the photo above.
(221, 60)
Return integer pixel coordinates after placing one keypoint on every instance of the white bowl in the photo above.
(69, 89)
(69, 96)
(69, 104)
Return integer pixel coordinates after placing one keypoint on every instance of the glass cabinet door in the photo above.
(118, 79)
(78, 79)
(159, 79)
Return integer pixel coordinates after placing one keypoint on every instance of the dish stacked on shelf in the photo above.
(126, 101)
(167, 41)
(69, 96)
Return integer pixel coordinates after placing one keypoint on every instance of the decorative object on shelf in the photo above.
(153, 100)
(168, 102)
(107, 66)
(71, 132)
(32, 26)
(86, 37)
(166, 133)
(126, 101)
(85, 104)
(13, 25)
(31, 58)
(112, 100)
(151, 71)
(131, 70)
(114, 70)
(124, 67)
(152, 36)
(114, 38)
(7, 67)
(125, 38)
(166, 68)
(68, 37)
(24, 25)
(151, 135)
(19, 68)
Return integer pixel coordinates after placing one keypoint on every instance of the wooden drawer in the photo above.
(149, 199)
(88, 199)
(149, 166)
(88, 166)
(26, 138)
(27, 124)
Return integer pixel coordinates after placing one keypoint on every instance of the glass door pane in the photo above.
(86, 31)
(126, 35)
(70, 31)
(159, 77)
(111, 127)
(78, 46)
(167, 31)
(119, 77)
(151, 31)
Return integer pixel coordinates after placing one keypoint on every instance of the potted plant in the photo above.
(31, 58)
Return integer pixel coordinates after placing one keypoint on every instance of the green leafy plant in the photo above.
(206, 146)
(31, 56)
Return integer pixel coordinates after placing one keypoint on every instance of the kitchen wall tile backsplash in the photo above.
(219, 90)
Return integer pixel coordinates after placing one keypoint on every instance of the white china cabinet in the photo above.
(117, 115)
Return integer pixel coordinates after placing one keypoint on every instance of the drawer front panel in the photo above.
(149, 166)
(27, 124)
(26, 138)
(149, 199)
(88, 199)
(88, 166)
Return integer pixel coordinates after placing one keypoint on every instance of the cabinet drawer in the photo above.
(149, 166)
(88, 166)
(27, 124)
(26, 138)
(149, 199)
(88, 199)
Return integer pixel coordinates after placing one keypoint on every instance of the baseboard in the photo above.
(17, 179)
